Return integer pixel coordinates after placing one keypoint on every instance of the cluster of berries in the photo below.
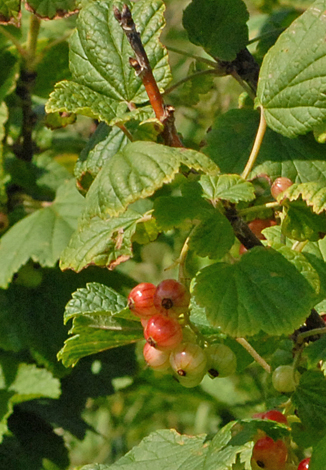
(270, 454)
(171, 346)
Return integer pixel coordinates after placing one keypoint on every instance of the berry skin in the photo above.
(285, 379)
(189, 362)
(221, 360)
(163, 333)
(4, 222)
(269, 454)
(171, 298)
(257, 225)
(280, 185)
(141, 300)
(272, 415)
(156, 359)
(304, 464)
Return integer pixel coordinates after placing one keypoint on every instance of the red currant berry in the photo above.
(280, 185)
(171, 298)
(163, 332)
(221, 360)
(189, 362)
(156, 359)
(257, 225)
(141, 300)
(304, 464)
(285, 379)
(242, 249)
(275, 415)
(269, 454)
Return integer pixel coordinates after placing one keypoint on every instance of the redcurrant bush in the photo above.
(156, 359)
(189, 363)
(221, 360)
(285, 379)
(163, 332)
(304, 464)
(171, 298)
(269, 454)
(280, 185)
(141, 300)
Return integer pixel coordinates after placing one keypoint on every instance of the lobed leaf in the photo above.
(231, 188)
(136, 172)
(10, 12)
(292, 81)
(301, 224)
(219, 26)
(52, 9)
(42, 235)
(313, 193)
(309, 399)
(172, 211)
(264, 291)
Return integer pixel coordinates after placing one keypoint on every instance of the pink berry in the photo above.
(163, 332)
(280, 185)
(141, 300)
(171, 298)
(269, 454)
(275, 415)
(156, 359)
(257, 225)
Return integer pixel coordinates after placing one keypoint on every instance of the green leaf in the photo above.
(264, 291)
(316, 351)
(318, 455)
(213, 237)
(292, 81)
(313, 193)
(101, 321)
(94, 299)
(52, 9)
(231, 188)
(10, 12)
(9, 72)
(42, 235)
(309, 399)
(219, 26)
(172, 212)
(301, 224)
(99, 60)
(104, 143)
(230, 141)
(136, 172)
(198, 84)
(101, 242)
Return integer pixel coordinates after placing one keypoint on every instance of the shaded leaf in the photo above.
(231, 188)
(42, 235)
(301, 224)
(313, 193)
(172, 212)
(10, 12)
(9, 72)
(230, 141)
(52, 9)
(219, 26)
(264, 291)
(292, 81)
(318, 455)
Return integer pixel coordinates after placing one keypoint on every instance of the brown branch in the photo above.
(142, 67)
(241, 229)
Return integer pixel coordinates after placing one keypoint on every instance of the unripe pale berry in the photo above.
(156, 359)
(285, 379)
(141, 300)
(304, 464)
(189, 362)
(269, 454)
(171, 298)
(280, 185)
(163, 332)
(221, 360)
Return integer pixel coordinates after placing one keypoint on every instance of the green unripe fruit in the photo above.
(221, 360)
(285, 379)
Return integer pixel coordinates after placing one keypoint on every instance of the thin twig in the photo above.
(261, 207)
(257, 144)
(193, 56)
(188, 78)
(254, 354)
(22, 51)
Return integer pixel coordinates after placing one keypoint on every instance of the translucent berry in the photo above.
(163, 332)
(269, 454)
(285, 379)
(171, 298)
(156, 359)
(280, 185)
(221, 360)
(304, 464)
(189, 362)
(141, 300)
(257, 225)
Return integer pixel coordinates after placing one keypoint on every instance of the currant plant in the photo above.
(170, 158)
